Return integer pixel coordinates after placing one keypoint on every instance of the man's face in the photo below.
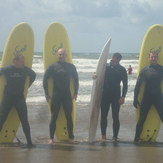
(61, 55)
(153, 58)
(21, 62)
(115, 61)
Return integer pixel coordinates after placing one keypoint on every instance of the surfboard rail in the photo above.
(97, 91)
(153, 39)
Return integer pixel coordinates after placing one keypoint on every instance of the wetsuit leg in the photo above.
(5, 108)
(55, 106)
(21, 107)
(115, 114)
(144, 109)
(105, 106)
(67, 106)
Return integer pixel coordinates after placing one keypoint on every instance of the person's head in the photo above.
(153, 57)
(19, 61)
(62, 55)
(116, 59)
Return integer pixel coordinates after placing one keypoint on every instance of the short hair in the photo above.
(153, 52)
(117, 55)
(156, 51)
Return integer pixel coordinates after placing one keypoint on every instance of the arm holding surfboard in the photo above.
(115, 73)
(124, 81)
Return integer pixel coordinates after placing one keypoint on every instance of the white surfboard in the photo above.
(97, 91)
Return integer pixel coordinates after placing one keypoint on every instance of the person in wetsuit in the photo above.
(152, 76)
(61, 73)
(112, 95)
(13, 96)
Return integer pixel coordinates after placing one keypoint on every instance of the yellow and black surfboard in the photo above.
(20, 40)
(153, 39)
(56, 37)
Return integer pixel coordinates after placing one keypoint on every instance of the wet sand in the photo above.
(124, 151)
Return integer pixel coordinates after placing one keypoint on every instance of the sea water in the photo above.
(85, 64)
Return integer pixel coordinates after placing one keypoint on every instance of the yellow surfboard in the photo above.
(55, 38)
(153, 39)
(20, 40)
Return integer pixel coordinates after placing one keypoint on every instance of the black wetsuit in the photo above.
(61, 73)
(14, 95)
(111, 95)
(152, 75)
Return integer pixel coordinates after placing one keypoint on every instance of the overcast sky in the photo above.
(89, 23)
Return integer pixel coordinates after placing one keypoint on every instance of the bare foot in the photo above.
(51, 141)
(72, 141)
(103, 137)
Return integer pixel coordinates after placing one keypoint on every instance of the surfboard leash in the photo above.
(16, 137)
(152, 135)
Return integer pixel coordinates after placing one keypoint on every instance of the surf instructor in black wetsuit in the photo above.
(112, 95)
(15, 77)
(61, 73)
(152, 76)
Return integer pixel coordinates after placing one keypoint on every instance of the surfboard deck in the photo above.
(152, 39)
(97, 91)
(20, 40)
(56, 37)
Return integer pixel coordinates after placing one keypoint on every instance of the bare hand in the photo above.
(47, 98)
(136, 103)
(94, 76)
(75, 97)
(121, 100)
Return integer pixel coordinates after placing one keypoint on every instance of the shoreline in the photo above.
(124, 151)
(39, 116)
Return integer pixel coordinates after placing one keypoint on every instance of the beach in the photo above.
(123, 151)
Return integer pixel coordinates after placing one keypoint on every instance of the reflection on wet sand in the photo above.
(123, 151)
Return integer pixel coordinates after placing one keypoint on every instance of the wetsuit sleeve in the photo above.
(45, 80)
(76, 79)
(1, 71)
(4, 69)
(124, 82)
(32, 75)
(137, 86)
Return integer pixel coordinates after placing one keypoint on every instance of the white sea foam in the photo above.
(85, 68)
